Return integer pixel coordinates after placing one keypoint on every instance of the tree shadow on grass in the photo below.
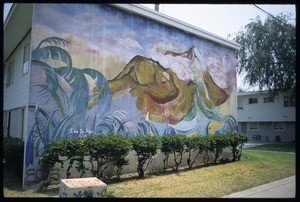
(168, 171)
(14, 183)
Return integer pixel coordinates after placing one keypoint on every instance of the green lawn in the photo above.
(212, 181)
(255, 168)
(286, 147)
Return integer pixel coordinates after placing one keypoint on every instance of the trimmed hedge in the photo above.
(199, 144)
(174, 145)
(101, 150)
(236, 142)
(113, 149)
(146, 147)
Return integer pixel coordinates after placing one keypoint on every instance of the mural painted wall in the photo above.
(97, 69)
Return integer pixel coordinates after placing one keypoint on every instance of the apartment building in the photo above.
(267, 118)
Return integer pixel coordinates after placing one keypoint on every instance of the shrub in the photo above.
(197, 143)
(96, 146)
(203, 143)
(74, 150)
(217, 144)
(112, 149)
(166, 148)
(101, 150)
(146, 147)
(51, 156)
(174, 144)
(191, 147)
(13, 154)
(118, 147)
(236, 141)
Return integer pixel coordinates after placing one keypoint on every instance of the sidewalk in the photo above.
(284, 188)
(250, 144)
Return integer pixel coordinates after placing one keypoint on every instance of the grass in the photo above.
(200, 182)
(285, 147)
(212, 181)
(12, 187)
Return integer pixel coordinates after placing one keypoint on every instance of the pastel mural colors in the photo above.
(97, 69)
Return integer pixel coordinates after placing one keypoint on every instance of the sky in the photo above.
(224, 20)
(221, 19)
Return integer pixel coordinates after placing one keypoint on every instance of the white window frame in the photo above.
(276, 126)
(253, 125)
(13, 116)
(26, 53)
(239, 103)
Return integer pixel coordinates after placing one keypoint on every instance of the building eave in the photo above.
(170, 21)
(17, 24)
(252, 93)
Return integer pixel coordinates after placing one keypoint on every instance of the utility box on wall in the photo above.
(125, 69)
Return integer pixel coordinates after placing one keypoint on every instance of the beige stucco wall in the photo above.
(155, 166)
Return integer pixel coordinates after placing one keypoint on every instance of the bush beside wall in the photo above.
(104, 156)
(13, 154)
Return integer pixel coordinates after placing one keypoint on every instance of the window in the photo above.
(13, 122)
(25, 59)
(253, 125)
(253, 100)
(268, 99)
(10, 73)
(289, 101)
(278, 126)
(6, 123)
(240, 103)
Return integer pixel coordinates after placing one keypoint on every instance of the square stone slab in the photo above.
(82, 188)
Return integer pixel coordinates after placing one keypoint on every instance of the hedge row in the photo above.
(113, 149)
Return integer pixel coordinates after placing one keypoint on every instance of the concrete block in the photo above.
(90, 187)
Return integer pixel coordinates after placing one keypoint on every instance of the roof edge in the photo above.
(252, 93)
(165, 19)
(11, 11)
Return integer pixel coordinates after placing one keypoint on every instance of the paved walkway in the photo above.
(284, 188)
(255, 143)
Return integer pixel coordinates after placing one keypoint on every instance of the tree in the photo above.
(268, 53)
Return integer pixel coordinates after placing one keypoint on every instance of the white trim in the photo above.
(10, 13)
(253, 93)
(27, 62)
(165, 19)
